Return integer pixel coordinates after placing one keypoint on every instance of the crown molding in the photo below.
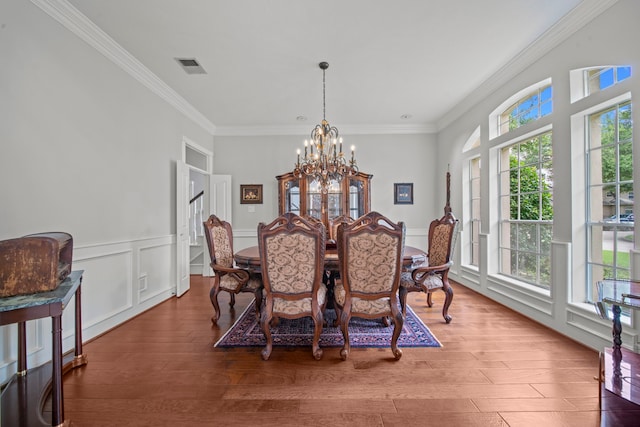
(299, 130)
(577, 18)
(72, 19)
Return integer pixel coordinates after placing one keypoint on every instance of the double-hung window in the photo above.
(610, 219)
(526, 210)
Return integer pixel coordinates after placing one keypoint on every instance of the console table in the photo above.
(24, 396)
(619, 367)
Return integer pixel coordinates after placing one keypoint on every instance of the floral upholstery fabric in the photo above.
(372, 267)
(438, 253)
(359, 305)
(223, 254)
(372, 262)
(439, 245)
(291, 263)
(230, 283)
(281, 305)
(432, 281)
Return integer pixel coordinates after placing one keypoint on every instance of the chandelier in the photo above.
(323, 158)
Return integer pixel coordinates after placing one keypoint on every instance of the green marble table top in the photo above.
(62, 294)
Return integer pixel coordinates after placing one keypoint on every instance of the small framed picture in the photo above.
(251, 194)
(403, 194)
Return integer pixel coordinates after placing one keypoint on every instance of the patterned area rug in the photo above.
(246, 332)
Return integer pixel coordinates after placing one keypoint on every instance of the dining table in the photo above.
(249, 258)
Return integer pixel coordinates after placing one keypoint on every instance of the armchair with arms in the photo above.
(228, 278)
(435, 275)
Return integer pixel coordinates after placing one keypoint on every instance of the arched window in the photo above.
(524, 107)
(586, 81)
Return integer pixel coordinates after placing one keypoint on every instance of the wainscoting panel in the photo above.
(528, 300)
(120, 280)
(154, 273)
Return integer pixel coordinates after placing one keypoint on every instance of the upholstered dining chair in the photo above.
(434, 275)
(292, 261)
(228, 278)
(334, 223)
(370, 250)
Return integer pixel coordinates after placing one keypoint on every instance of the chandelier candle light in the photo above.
(323, 160)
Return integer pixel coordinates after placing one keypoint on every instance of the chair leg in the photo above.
(318, 322)
(258, 302)
(429, 301)
(448, 290)
(402, 293)
(213, 296)
(344, 326)
(232, 299)
(265, 319)
(397, 328)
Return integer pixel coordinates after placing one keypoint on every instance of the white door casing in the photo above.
(182, 228)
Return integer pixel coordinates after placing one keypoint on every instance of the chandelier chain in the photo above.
(324, 99)
(323, 161)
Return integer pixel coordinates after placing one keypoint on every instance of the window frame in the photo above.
(504, 245)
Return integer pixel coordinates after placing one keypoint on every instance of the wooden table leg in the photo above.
(57, 399)
(80, 358)
(22, 349)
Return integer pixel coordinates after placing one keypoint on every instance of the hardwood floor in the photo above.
(496, 368)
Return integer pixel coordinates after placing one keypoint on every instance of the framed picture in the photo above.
(403, 194)
(251, 194)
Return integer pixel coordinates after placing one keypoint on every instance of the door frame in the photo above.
(204, 166)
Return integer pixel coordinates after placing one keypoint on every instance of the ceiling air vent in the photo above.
(191, 66)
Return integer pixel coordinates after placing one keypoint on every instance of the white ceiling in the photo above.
(387, 58)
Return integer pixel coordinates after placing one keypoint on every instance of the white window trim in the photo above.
(494, 117)
(579, 179)
(494, 267)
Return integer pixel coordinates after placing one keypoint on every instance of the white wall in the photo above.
(389, 158)
(610, 39)
(86, 149)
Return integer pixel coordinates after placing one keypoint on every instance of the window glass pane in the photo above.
(608, 164)
(526, 266)
(546, 234)
(597, 204)
(623, 73)
(529, 108)
(546, 145)
(624, 123)
(608, 128)
(528, 237)
(292, 197)
(626, 165)
(515, 207)
(314, 199)
(606, 78)
(545, 271)
(546, 203)
(529, 152)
